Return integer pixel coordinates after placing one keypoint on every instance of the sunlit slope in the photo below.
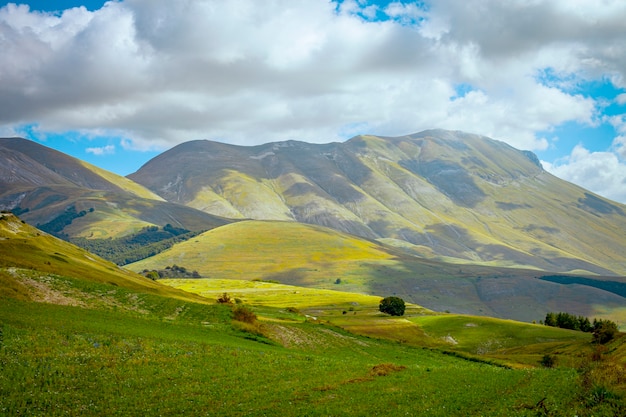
(508, 340)
(312, 256)
(272, 294)
(26, 251)
(444, 195)
(291, 252)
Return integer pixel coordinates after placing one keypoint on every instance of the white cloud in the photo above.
(601, 172)
(103, 150)
(159, 72)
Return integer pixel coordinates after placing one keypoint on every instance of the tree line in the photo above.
(148, 242)
(173, 271)
(603, 330)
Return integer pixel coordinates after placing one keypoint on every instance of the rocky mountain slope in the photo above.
(42, 185)
(444, 195)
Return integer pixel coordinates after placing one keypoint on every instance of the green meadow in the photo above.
(80, 336)
(63, 360)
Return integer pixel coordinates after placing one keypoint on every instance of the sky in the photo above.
(115, 83)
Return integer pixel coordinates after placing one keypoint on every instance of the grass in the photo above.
(57, 360)
(76, 339)
(24, 248)
(250, 250)
(130, 353)
(315, 257)
(262, 293)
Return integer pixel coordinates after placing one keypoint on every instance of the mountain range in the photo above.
(442, 195)
(447, 220)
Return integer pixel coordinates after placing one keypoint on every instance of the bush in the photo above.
(392, 305)
(244, 314)
(224, 299)
(548, 361)
(604, 331)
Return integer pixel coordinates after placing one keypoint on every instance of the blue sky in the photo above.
(116, 83)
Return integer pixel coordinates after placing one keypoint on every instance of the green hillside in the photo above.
(291, 252)
(28, 254)
(312, 256)
(79, 335)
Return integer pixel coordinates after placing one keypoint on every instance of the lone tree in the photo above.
(604, 331)
(392, 305)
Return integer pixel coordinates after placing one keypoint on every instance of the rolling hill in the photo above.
(79, 333)
(43, 185)
(27, 255)
(318, 257)
(447, 196)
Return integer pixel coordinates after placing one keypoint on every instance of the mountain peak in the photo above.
(437, 193)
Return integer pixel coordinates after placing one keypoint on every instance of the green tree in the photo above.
(548, 361)
(604, 331)
(392, 305)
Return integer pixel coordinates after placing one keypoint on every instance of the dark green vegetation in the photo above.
(393, 306)
(137, 246)
(569, 321)
(603, 330)
(173, 271)
(615, 287)
(56, 225)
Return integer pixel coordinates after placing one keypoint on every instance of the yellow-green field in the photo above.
(259, 293)
(478, 336)
(290, 252)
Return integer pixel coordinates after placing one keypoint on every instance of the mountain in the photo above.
(448, 196)
(46, 186)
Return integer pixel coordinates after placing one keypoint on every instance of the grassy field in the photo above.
(316, 257)
(81, 337)
(486, 337)
(64, 360)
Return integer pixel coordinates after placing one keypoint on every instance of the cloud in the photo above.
(601, 172)
(157, 72)
(103, 150)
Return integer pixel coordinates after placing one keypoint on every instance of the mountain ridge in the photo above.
(442, 194)
(42, 184)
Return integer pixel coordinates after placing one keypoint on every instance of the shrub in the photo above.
(224, 299)
(548, 361)
(392, 305)
(604, 331)
(244, 314)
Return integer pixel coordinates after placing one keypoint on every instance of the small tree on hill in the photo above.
(392, 305)
(224, 299)
(604, 331)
